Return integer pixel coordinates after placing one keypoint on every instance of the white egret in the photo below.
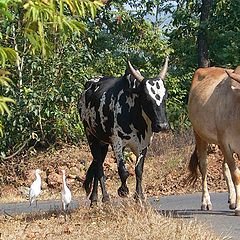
(35, 188)
(66, 194)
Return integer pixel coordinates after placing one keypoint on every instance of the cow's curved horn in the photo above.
(233, 75)
(135, 73)
(164, 69)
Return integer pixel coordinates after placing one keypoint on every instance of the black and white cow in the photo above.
(121, 112)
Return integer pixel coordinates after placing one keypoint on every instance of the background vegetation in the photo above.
(48, 49)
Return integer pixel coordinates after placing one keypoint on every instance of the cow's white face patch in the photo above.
(156, 90)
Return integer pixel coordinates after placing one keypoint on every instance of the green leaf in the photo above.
(3, 106)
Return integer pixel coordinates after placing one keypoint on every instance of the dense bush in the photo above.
(60, 48)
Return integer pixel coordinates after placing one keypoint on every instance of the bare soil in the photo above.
(165, 170)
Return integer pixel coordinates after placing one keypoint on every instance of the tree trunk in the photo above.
(203, 60)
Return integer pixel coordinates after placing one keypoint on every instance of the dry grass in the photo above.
(128, 221)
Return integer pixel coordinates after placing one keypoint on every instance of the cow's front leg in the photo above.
(123, 191)
(139, 171)
(235, 173)
(230, 185)
(105, 194)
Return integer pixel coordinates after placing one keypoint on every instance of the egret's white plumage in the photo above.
(66, 193)
(35, 188)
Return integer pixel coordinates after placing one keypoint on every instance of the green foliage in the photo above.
(46, 19)
(46, 104)
(6, 54)
(178, 87)
(59, 44)
(46, 35)
(224, 34)
(123, 34)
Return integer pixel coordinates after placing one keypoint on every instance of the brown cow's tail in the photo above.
(193, 168)
(87, 184)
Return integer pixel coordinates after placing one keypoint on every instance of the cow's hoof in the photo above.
(106, 199)
(139, 197)
(123, 191)
(93, 204)
(237, 212)
(232, 206)
(207, 207)
(204, 207)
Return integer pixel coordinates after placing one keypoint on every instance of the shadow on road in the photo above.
(190, 213)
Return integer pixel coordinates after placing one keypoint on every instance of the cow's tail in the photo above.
(87, 184)
(193, 168)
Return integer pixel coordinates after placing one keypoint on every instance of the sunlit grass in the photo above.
(118, 221)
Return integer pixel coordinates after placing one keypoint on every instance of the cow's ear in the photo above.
(236, 89)
(235, 76)
(235, 85)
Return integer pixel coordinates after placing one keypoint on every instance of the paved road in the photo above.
(221, 219)
(42, 206)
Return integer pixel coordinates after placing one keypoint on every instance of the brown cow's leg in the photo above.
(230, 185)
(201, 146)
(235, 173)
(236, 180)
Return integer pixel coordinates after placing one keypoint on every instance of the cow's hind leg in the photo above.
(139, 171)
(101, 177)
(199, 158)
(202, 156)
(87, 184)
(99, 152)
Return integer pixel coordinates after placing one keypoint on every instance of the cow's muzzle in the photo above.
(160, 127)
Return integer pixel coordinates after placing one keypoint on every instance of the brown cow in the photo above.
(214, 111)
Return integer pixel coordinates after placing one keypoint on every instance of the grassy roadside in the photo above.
(128, 221)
